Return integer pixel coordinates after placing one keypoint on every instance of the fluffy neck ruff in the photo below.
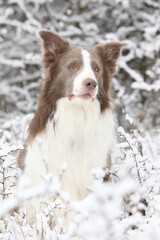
(80, 135)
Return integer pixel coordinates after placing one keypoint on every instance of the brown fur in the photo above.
(21, 157)
(109, 53)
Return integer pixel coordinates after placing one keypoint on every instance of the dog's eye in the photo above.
(96, 69)
(72, 66)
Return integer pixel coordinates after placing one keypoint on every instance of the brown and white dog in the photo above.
(73, 122)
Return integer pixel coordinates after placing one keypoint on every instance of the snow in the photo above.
(148, 87)
(127, 206)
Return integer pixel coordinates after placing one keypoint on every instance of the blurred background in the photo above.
(136, 97)
(136, 88)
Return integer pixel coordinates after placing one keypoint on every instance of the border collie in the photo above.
(73, 122)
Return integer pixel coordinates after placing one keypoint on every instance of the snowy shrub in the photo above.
(8, 168)
(128, 205)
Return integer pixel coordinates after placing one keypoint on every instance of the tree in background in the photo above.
(136, 94)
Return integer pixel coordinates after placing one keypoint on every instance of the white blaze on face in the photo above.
(85, 73)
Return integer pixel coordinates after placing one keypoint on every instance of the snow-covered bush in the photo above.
(8, 168)
(114, 210)
(128, 207)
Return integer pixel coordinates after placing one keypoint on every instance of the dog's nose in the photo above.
(90, 83)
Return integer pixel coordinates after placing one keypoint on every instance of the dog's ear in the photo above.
(110, 53)
(53, 46)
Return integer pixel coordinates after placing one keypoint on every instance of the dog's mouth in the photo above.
(85, 96)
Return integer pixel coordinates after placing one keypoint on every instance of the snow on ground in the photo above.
(127, 205)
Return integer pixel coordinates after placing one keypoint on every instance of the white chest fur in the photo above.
(79, 135)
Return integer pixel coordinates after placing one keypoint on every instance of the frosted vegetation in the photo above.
(127, 205)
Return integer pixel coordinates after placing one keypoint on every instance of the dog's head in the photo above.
(75, 72)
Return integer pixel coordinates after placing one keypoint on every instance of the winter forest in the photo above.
(127, 205)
